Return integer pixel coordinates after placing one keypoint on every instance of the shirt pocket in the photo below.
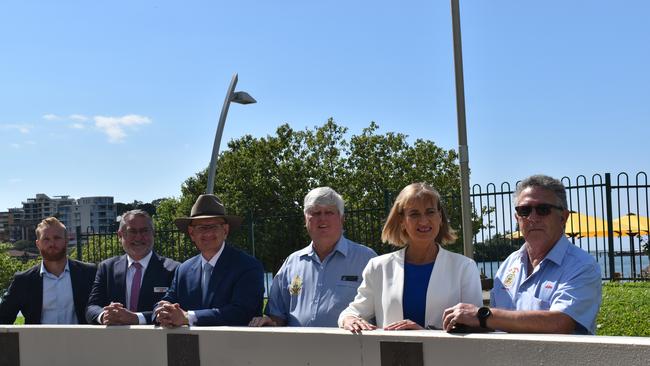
(526, 301)
(344, 292)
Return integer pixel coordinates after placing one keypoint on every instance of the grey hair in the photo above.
(128, 215)
(324, 196)
(545, 182)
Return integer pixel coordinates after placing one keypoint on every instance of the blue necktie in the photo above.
(205, 281)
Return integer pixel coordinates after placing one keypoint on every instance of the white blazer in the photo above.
(454, 279)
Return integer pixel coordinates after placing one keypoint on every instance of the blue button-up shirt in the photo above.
(567, 280)
(310, 293)
(58, 300)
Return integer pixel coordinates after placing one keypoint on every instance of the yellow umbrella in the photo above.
(582, 226)
(631, 225)
(514, 235)
(577, 226)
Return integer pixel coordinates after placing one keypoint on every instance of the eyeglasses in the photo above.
(141, 231)
(543, 209)
(207, 228)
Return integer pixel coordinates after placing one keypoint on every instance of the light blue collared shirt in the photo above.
(567, 280)
(58, 300)
(321, 290)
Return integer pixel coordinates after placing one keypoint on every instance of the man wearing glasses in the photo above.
(547, 286)
(127, 287)
(220, 286)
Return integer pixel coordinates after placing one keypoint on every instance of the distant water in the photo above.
(622, 265)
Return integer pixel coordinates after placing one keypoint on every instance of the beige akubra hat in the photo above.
(207, 206)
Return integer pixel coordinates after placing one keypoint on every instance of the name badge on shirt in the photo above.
(160, 289)
(510, 278)
(350, 278)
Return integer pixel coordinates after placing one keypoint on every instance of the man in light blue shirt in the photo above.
(317, 282)
(54, 291)
(549, 285)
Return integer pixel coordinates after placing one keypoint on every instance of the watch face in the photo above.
(484, 312)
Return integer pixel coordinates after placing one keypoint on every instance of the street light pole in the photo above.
(239, 97)
(463, 151)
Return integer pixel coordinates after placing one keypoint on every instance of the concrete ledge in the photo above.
(146, 345)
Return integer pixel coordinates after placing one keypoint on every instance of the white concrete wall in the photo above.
(146, 345)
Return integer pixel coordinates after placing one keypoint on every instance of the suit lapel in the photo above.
(154, 269)
(119, 271)
(38, 295)
(398, 283)
(194, 285)
(219, 272)
(76, 280)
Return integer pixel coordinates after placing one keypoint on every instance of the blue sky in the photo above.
(122, 98)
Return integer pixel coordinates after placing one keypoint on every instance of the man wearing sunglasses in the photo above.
(547, 286)
(127, 286)
(222, 285)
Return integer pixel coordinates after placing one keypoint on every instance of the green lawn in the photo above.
(625, 310)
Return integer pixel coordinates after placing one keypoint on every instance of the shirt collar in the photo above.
(44, 270)
(555, 255)
(215, 258)
(341, 247)
(144, 262)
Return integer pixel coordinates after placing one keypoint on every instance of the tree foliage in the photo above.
(265, 180)
(9, 266)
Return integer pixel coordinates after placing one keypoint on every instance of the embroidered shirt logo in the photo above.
(295, 286)
(510, 278)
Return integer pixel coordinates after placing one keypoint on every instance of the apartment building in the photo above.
(94, 214)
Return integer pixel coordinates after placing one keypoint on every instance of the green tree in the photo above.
(265, 180)
(9, 266)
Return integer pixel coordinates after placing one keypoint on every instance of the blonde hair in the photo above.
(47, 222)
(393, 231)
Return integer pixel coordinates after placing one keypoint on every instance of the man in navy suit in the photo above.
(220, 286)
(54, 291)
(128, 286)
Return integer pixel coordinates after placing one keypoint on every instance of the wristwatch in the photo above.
(482, 314)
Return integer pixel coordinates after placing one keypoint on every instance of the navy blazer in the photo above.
(25, 293)
(235, 294)
(110, 285)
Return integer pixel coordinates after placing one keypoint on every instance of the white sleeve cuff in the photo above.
(191, 317)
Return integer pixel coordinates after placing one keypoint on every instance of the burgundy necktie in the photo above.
(135, 287)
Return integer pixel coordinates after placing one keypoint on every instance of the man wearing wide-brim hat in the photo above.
(220, 286)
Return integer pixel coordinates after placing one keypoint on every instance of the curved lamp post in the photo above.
(239, 97)
(463, 151)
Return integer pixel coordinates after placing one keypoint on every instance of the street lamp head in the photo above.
(242, 97)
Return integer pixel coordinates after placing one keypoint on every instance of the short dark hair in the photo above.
(545, 182)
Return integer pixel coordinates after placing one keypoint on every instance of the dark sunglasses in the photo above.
(543, 209)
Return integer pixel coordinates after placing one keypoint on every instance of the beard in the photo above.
(53, 254)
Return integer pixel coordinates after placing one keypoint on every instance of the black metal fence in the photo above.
(619, 251)
(616, 233)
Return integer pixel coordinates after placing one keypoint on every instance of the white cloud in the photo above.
(78, 126)
(114, 127)
(78, 117)
(52, 117)
(22, 128)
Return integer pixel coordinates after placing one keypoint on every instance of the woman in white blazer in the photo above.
(411, 288)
